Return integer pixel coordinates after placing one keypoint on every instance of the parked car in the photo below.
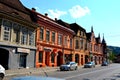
(2, 72)
(69, 66)
(104, 63)
(89, 65)
(36, 78)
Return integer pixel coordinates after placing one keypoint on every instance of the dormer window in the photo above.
(81, 33)
(15, 13)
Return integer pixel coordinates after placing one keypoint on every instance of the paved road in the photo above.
(111, 72)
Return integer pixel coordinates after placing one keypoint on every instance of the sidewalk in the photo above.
(25, 71)
(22, 71)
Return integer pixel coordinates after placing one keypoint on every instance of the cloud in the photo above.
(77, 11)
(56, 13)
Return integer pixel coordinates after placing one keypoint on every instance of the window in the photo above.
(53, 37)
(70, 43)
(59, 39)
(7, 29)
(65, 41)
(16, 32)
(40, 57)
(41, 33)
(23, 60)
(47, 35)
(77, 44)
(81, 33)
(52, 57)
(86, 48)
(90, 47)
(31, 37)
(81, 43)
(24, 36)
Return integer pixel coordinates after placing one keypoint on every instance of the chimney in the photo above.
(46, 14)
(33, 9)
(55, 19)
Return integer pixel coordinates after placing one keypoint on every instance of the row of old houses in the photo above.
(30, 39)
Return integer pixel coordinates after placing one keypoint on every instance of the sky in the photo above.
(103, 15)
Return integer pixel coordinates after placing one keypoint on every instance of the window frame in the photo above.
(7, 30)
(59, 39)
(47, 35)
(53, 37)
(24, 36)
(41, 33)
(31, 37)
(76, 44)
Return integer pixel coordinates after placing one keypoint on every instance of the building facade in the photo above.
(95, 48)
(87, 47)
(79, 43)
(30, 39)
(17, 35)
(54, 42)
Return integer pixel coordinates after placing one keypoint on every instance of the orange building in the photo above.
(58, 42)
(54, 42)
(87, 47)
(78, 55)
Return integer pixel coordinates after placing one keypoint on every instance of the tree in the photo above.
(111, 56)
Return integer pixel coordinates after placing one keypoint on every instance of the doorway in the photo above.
(47, 58)
(59, 58)
(77, 58)
(23, 58)
(4, 56)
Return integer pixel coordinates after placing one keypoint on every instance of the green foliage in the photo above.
(111, 56)
(114, 49)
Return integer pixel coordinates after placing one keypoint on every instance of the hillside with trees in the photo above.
(115, 50)
(115, 53)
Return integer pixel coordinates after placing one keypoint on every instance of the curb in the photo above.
(29, 71)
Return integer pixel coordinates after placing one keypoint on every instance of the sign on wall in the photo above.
(23, 50)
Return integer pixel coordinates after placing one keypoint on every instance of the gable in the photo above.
(78, 33)
(93, 37)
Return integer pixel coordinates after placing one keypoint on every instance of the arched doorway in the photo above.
(59, 58)
(96, 60)
(82, 60)
(77, 58)
(86, 58)
(4, 56)
(47, 56)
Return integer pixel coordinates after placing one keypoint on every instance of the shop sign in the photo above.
(47, 49)
(23, 50)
